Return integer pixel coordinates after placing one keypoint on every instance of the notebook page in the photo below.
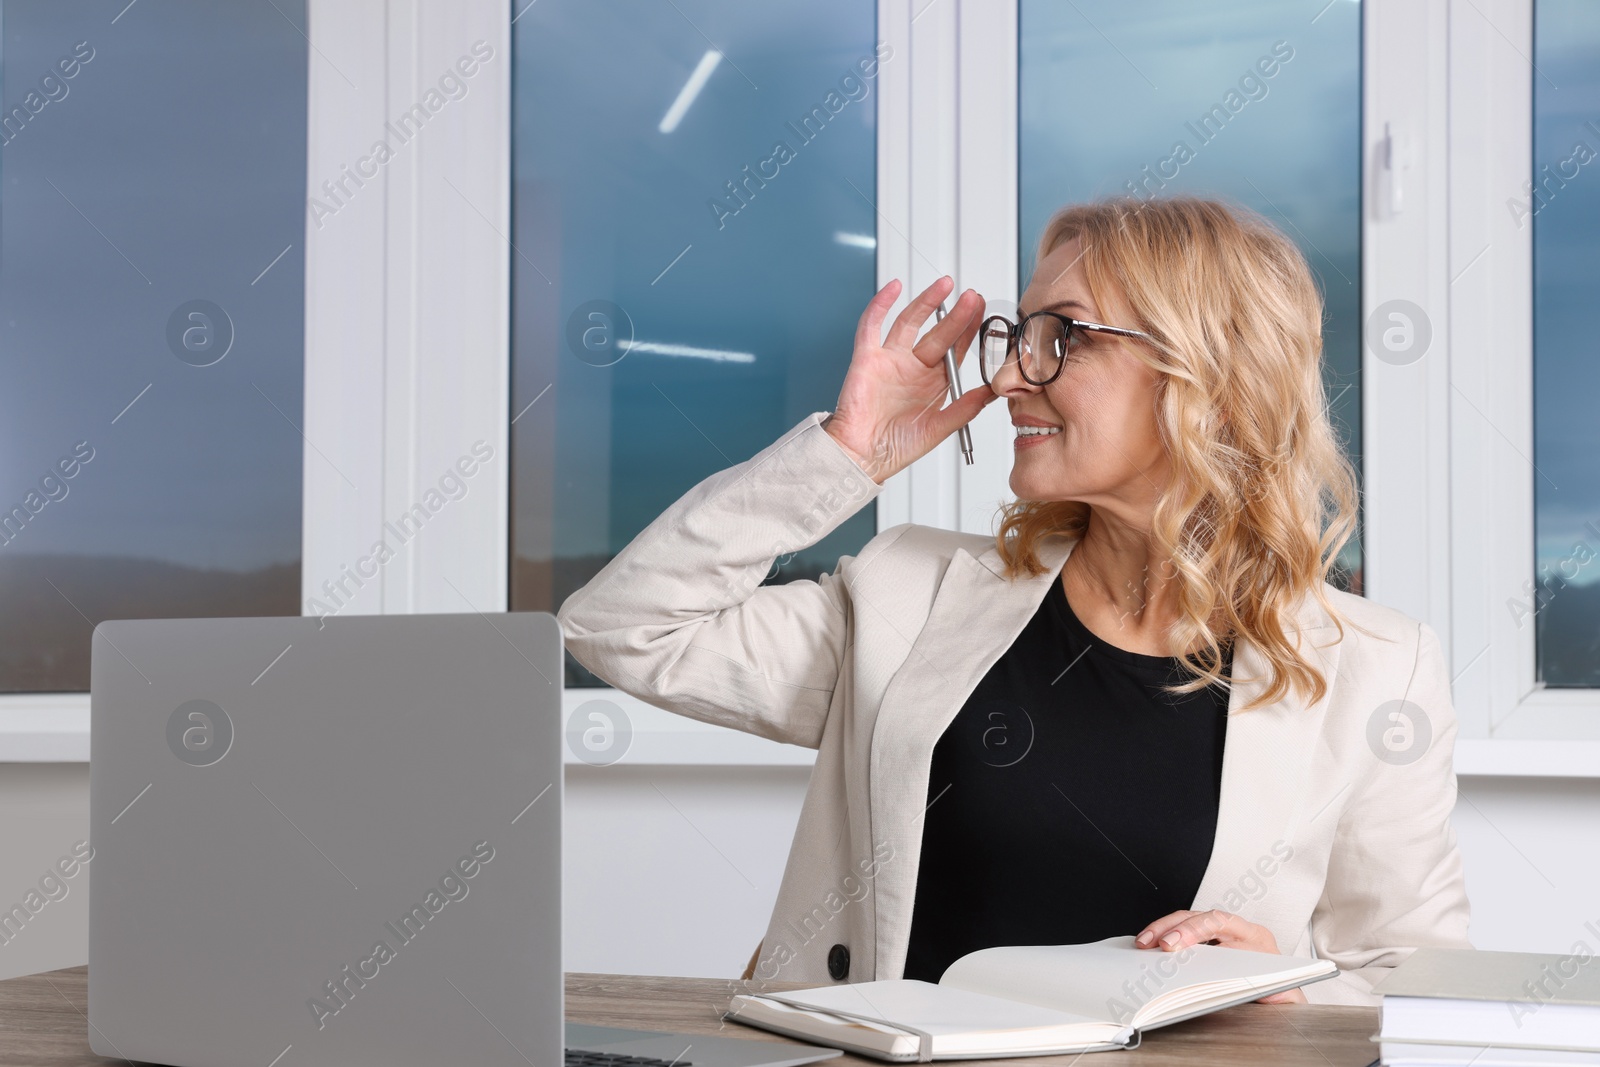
(1112, 979)
(934, 1008)
(830, 1028)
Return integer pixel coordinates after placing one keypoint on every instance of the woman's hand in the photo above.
(891, 410)
(1177, 931)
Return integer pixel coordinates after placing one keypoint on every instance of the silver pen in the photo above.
(953, 375)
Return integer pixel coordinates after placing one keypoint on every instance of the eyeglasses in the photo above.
(1045, 339)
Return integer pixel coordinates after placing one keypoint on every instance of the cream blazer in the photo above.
(1341, 852)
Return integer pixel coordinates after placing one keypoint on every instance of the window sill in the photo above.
(1527, 758)
(54, 728)
(44, 728)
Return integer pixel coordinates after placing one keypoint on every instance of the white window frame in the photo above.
(1492, 542)
(947, 190)
(407, 301)
(408, 305)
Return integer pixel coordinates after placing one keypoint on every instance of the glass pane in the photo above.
(1563, 207)
(152, 213)
(1111, 90)
(694, 246)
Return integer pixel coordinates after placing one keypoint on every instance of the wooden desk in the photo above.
(42, 1024)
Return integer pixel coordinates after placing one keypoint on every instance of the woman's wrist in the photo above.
(866, 465)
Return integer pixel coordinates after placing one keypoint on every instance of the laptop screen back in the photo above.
(327, 841)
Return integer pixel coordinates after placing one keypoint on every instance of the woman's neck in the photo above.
(1122, 591)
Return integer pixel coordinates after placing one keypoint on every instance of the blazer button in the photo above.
(838, 962)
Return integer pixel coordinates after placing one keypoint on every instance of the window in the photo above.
(1519, 500)
(621, 285)
(1256, 103)
(1563, 209)
(694, 246)
(152, 200)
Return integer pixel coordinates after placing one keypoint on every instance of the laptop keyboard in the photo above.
(577, 1057)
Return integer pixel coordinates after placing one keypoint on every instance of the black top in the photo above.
(1071, 799)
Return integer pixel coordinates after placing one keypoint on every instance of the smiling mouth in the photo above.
(1037, 431)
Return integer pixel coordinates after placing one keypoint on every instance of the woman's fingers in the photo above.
(907, 324)
(956, 330)
(1183, 928)
(1180, 929)
(1200, 927)
(958, 413)
(869, 328)
(969, 332)
(1152, 934)
(884, 395)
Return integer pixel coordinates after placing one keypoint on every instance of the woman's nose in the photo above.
(1008, 380)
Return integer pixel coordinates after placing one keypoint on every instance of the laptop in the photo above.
(335, 841)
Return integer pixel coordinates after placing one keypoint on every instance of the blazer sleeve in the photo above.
(680, 619)
(1395, 880)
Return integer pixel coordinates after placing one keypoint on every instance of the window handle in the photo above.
(1395, 156)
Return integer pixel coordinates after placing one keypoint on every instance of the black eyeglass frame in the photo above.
(1014, 332)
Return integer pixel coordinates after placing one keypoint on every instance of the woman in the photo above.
(1039, 737)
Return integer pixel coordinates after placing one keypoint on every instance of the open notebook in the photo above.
(1028, 1000)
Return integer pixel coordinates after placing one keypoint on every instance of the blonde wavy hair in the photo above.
(1261, 498)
